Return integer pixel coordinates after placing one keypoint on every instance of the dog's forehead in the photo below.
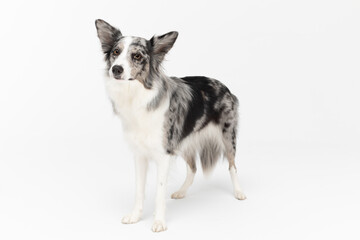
(130, 43)
(138, 41)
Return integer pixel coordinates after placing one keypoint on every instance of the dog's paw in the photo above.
(178, 195)
(239, 195)
(158, 226)
(131, 218)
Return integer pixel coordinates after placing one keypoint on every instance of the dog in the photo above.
(165, 117)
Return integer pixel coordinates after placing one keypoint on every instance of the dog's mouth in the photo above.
(123, 79)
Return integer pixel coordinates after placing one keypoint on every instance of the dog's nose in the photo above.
(117, 70)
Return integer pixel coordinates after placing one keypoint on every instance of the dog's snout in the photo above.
(117, 70)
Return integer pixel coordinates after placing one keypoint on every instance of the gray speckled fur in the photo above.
(180, 96)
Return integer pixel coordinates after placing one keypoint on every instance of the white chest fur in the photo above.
(143, 128)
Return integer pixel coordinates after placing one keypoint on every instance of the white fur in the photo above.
(122, 60)
(235, 181)
(144, 131)
(141, 165)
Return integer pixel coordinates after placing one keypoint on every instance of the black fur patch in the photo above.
(204, 98)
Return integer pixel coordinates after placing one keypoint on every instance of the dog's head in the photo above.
(133, 58)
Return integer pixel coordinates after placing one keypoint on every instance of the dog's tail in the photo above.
(209, 154)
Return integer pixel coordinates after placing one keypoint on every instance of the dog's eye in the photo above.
(137, 56)
(116, 52)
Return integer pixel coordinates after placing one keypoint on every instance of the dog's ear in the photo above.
(162, 44)
(107, 34)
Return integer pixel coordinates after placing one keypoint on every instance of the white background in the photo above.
(66, 173)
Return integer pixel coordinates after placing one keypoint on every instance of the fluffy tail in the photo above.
(209, 155)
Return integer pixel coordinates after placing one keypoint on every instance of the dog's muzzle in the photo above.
(117, 70)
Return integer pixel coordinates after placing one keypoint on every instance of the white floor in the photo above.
(79, 188)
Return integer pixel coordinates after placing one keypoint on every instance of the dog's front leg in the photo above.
(141, 165)
(163, 164)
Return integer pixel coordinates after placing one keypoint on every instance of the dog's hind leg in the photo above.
(229, 139)
(239, 194)
(191, 170)
(230, 149)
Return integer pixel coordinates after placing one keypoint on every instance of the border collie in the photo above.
(164, 117)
